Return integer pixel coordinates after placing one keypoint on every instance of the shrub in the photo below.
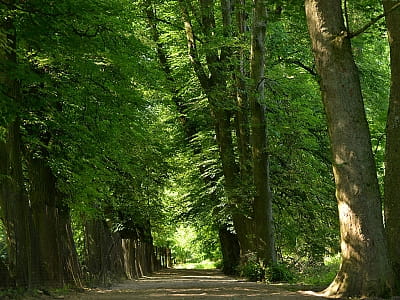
(278, 273)
(252, 270)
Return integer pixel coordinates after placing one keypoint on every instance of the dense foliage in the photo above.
(130, 139)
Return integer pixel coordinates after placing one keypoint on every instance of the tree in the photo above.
(392, 166)
(263, 197)
(13, 198)
(365, 269)
(252, 217)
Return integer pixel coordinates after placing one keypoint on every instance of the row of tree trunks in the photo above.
(104, 253)
(163, 257)
(40, 248)
(111, 255)
(41, 251)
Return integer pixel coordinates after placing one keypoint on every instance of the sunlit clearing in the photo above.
(187, 250)
(205, 264)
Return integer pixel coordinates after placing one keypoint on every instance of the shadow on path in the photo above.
(194, 284)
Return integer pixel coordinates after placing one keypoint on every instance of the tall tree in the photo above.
(251, 214)
(365, 269)
(15, 211)
(263, 196)
(392, 159)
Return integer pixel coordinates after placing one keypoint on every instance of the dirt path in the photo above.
(193, 284)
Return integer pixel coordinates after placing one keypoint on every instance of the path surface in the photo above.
(193, 284)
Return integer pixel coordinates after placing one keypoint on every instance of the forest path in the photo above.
(193, 284)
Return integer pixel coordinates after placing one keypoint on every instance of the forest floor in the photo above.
(194, 284)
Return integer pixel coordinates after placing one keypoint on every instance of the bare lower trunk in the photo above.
(72, 273)
(365, 269)
(58, 263)
(392, 160)
(230, 250)
(13, 199)
(15, 211)
(44, 213)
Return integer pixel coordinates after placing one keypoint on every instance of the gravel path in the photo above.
(194, 284)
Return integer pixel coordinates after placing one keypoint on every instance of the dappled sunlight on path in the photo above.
(194, 284)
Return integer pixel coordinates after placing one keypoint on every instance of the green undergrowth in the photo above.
(37, 293)
(320, 274)
(205, 264)
(313, 274)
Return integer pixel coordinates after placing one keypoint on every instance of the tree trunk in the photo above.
(72, 273)
(230, 250)
(263, 197)
(56, 248)
(392, 160)
(15, 210)
(5, 280)
(44, 214)
(365, 269)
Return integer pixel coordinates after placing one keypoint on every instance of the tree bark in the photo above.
(263, 197)
(392, 159)
(365, 269)
(44, 214)
(13, 198)
(72, 273)
(15, 211)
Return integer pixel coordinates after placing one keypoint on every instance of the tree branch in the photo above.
(192, 49)
(301, 65)
(373, 21)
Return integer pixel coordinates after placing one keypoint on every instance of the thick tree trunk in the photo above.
(44, 214)
(55, 246)
(392, 167)
(230, 250)
(15, 211)
(365, 269)
(263, 197)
